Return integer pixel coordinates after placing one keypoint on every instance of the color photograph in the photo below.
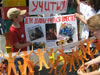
(35, 33)
(51, 33)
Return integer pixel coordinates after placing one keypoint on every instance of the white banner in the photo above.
(49, 30)
(37, 7)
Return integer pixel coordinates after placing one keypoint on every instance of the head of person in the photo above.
(16, 14)
(94, 4)
(93, 24)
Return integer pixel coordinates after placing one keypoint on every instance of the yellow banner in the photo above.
(11, 3)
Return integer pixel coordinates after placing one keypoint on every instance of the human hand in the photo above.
(84, 67)
(29, 43)
(77, 15)
(79, 72)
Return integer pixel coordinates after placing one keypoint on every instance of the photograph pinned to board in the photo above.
(67, 30)
(65, 33)
(35, 32)
(37, 45)
(51, 33)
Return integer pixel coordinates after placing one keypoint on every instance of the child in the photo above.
(93, 25)
(17, 29)
(17, 32)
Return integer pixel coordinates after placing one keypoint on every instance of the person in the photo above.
(86, 9)
(2, 24)
(17, 29)
(17, 32)
(51, 34)
(93, 25)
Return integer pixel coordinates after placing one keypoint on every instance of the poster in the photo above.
(47, 6)
(48, 31)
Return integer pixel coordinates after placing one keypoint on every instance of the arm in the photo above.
(56, 51)
(18, 45)
(97, 72)
(78, 2)
(30, 53)
(91, 62)
(5, 57)
(15, 40)
(44, 50)
(81, 18)
(78, 6)
(48, 52)
(17, 53)
(94, 61)
(34, 53)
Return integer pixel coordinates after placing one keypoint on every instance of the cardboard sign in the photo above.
(48, 31)
(47, 6)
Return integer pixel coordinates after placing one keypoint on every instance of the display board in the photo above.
(48, 31)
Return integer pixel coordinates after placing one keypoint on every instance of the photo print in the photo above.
(35, 32)
(60, 42)
(37, 45)
(67, 30)
(51, 33)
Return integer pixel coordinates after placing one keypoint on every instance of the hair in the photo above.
(95, 4)
(93, 23)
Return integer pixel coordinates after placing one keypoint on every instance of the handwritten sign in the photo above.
(42, 20)
(47, 6)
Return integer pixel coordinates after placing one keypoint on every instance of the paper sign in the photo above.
(47, 6)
